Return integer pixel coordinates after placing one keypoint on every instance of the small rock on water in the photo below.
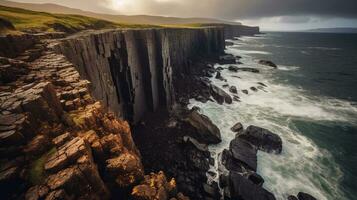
(268, 63)
(237, 127)
(233, 89)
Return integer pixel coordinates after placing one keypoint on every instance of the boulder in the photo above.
(242, 188)
(268, 63)
(256, 179)
(262, 84)
(229, 43)
(248, 69)
(233, 89)
(305, 196)
(245, 91)
(212, 190)
(237, 127)
(262, 138)
(208, 132)
(219, 76)
(220, 95)
(254, 89)
(194, 142)
(230, 163)
(236, 98)
(227, 59)
(233, 68)
(291, 197)
(244, 152)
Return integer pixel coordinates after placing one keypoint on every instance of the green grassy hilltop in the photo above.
(31, 21)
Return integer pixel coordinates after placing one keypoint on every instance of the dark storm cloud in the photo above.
(234, 9)
(227, 9)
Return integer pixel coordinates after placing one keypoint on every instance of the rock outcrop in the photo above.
(240, 179)
(55, 138)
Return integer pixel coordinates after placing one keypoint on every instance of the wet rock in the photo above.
(198, 145)
(242, 188)
(238, 127)
(244, 152)
(219, 76)
(262, 138)
(292, 198)
(219, 68)
(233, 89)
(220, 95)
(256, 179)
(247, 69)
(245, 91)
(212, 190)
(227, 59)
(228, 43)
(233, 68)
(268, 63)
(262, 84)
(208, 132)
(305, 196)
(254, 89)
(236, 98)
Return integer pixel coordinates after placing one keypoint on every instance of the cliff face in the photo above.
(133, 71)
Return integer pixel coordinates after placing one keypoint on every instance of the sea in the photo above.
(310, 101)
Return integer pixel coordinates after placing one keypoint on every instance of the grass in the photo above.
(33, 22)
(37, 172)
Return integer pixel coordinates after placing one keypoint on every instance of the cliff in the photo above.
(133, 71)
(58, 136)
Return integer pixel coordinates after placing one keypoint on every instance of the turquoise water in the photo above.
(310, 101)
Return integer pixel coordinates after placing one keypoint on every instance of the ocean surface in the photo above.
(310, 102)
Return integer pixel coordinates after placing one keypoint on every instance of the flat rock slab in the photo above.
(263, 139)
(244, 152)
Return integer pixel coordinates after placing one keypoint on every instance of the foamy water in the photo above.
(302, 165)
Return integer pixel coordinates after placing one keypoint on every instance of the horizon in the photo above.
(305, 17)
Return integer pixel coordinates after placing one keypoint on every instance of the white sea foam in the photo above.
(299, 167)
(288, 68)
(325, 48)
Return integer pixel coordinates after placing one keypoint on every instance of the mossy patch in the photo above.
(37, 173)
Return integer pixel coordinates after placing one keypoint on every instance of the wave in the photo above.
(288, 68)
(302, 164)
(325, 48)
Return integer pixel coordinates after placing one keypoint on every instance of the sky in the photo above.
(268, 14)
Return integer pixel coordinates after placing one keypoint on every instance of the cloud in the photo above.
(224, 9)
(240, 9)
